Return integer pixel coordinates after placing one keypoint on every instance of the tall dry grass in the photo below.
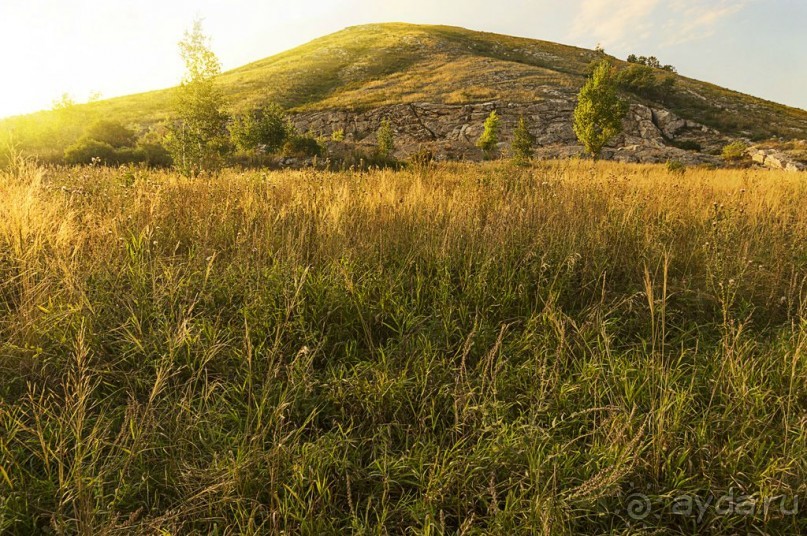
(459, 350)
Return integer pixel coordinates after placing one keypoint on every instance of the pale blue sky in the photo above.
(117, 47)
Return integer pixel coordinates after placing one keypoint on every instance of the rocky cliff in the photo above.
(450, 131)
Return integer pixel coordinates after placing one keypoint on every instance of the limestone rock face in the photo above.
(639, 128)
(450, 131)
(774, 159)
(668, 123)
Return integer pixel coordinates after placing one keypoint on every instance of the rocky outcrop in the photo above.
(774, 159)
(450, 131)
(424, 122)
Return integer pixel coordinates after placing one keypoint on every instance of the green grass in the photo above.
(457, 350)
(365, 67)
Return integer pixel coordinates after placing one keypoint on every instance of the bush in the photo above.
(107, 142)
(302, 146)
(89, 151)
(113, 133)
(644, 81)
(338, 135)
(154, 154)
(676, 167)
(357, 158)
(734, 151)
(422, 158)
(264, 129)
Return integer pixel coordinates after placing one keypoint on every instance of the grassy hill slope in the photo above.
(375, 65)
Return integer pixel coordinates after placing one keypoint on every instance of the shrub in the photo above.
(644, 81)
(358, 158)
(112, 133)
(154, 154)
(422, 158)
(637, 78)
(489, 139)
(302, 146)
(338, 135)
(676, 167)
(734, 151)
(89, 151)
(265, 129)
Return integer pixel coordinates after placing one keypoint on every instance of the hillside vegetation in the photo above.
(466, 349)
(376, 65)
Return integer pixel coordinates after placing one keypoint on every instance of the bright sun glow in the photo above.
(59, 47)
(87, 47)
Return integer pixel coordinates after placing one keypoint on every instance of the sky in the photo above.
(119, 47)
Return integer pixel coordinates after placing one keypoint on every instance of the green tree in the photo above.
(489, 139)
(652, 62)
(523, 142)
(599, 111)
(386, 139)
(198, 140)
(265, 129)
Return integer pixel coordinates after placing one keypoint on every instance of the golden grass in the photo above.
(457, 349)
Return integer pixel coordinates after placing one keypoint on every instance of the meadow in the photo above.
(564, 348)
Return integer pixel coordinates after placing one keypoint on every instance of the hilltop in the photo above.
(438, 83)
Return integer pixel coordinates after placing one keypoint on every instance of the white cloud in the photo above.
(609, 22)
(697, 19)
(620, 22)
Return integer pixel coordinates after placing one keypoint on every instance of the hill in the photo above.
(359, 72)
